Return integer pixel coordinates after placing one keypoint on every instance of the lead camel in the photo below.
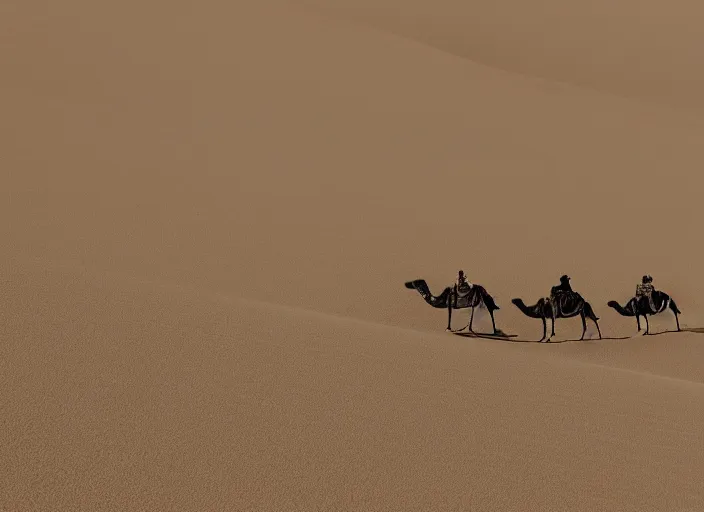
(477, 296)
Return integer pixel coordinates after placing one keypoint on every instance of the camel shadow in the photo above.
(514, 339)
(603, 338)
(698, 330)
(487, 336)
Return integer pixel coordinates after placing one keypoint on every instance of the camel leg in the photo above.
(552, 330)
(545, 330)
(584, 324)
(471, 319)
(596, 322)
(449, 317)
(673, 307)
(592, 316)
(647, 325)
(638, 321)
(493, 323)
(552, 315)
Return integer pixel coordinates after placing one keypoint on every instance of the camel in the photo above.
(450, 299)
(569, 304)
(638, 307)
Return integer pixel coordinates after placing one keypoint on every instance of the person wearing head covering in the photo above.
(461, 287)
(564, 286)
(462, 283)
(645, 289)
(560, 289)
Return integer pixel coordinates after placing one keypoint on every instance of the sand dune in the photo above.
(201, 401)
(644, 51)
(211, 213)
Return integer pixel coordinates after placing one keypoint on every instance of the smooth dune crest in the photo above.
(645, 51)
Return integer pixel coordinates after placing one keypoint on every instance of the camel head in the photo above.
(628, 310)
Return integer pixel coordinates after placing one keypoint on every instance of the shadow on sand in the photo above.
(699, 330)
(513, 338)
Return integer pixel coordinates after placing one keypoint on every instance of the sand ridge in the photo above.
(605, 46)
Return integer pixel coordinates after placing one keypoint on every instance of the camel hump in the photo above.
(574, 295)
(657, 294)
(464, 289)
(479, 288)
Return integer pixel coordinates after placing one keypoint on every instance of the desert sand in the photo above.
(211, 209)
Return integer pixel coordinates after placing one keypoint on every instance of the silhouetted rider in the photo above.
(564, 286)
(646, 289)
(462, 286)
(560, 289)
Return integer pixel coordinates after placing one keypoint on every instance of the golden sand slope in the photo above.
(210, 214)
(128, 395)
(646, 50)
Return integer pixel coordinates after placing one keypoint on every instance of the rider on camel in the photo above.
(646, 289)
(564, 286)
(560, 289)
(462, 286)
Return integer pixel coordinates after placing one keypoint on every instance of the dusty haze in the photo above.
(211, 211)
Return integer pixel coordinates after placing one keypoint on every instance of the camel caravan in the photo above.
(563, 302)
